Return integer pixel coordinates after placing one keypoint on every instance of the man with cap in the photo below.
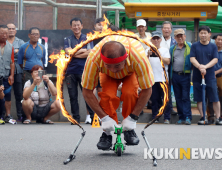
(141, 28)
(118, 59)
(180, 75)
(157, 91)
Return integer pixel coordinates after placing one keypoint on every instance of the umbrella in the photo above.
(203, 97)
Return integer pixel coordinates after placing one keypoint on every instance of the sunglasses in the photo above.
(156, 38)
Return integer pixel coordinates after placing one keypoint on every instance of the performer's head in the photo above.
(114, 55)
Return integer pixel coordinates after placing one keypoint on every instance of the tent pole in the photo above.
(20, 14)
(196, 27)
(99, 9)
(55, 15)
(117, 18)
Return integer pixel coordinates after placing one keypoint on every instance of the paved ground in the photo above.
(39, 146)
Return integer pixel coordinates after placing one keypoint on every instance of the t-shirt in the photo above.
(178, 58)
(146, 38)
(203, 54)
(40, 95)
(136, 62)
(165, 43)
(28, 56)
(156, 64)
(76, 66)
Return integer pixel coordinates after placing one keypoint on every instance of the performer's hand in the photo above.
(108, 123)
(129, 123)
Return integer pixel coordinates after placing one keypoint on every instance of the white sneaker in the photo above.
(9, 119)
(88, 119)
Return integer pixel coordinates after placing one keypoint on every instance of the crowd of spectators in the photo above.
(21, 64)
(203, 58)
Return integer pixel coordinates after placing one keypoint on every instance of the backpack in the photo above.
(46, 85)
(27, 49)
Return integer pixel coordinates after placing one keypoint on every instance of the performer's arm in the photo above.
(144, 96)
(93, 102)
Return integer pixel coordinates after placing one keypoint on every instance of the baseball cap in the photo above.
(156, 34)
(141, 22)
(179, 31)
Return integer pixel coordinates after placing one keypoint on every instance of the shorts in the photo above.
(7, 90)
(211, 91)
(40, 112)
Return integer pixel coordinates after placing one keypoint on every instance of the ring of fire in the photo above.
(63, 61)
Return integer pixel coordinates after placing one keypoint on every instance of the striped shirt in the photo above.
(136, 61)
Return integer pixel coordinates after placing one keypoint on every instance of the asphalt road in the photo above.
(44, 147)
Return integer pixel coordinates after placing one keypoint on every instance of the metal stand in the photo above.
(148, 146)
(72, 156)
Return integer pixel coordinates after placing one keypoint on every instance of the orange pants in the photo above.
(110, 102)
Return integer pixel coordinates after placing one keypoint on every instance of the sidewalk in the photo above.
(146, 117)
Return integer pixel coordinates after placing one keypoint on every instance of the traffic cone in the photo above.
(95, 123)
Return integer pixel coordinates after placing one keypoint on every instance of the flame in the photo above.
(63, 61)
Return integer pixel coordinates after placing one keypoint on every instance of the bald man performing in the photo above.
(114, 60)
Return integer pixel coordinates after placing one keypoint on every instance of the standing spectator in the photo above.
(76, 66)
(16, 43)
(167, 42)
(141, 28)
(37, 102)
(180, 74)
(31, 53)
(204, 56)
(98, 27)
(7, 68)
(218, 74)
(157, 91)
(210, 110)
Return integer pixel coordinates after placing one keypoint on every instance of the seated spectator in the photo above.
(37, 103)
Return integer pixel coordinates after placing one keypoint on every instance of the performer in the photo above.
(118, 59)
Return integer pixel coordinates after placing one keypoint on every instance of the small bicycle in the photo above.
(118, 147)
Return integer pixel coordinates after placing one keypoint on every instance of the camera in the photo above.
(41, 73)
